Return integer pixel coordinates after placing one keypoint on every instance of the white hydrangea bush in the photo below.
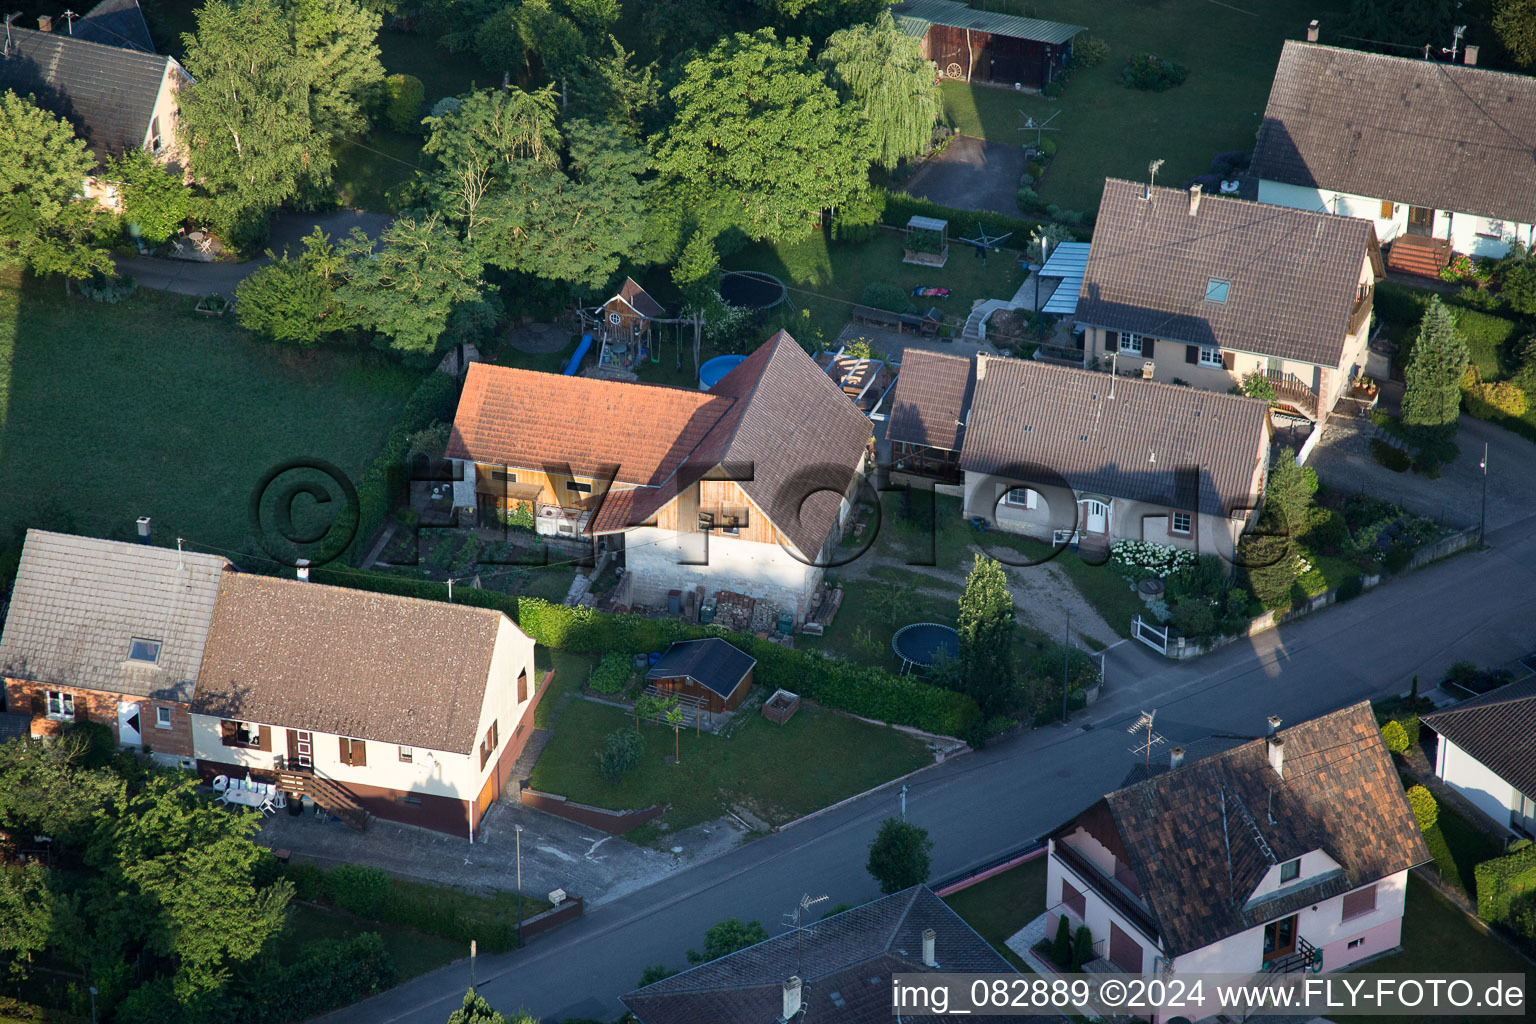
(1147, 559)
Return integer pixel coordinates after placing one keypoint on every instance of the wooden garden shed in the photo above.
(987, 47)
(717, 673)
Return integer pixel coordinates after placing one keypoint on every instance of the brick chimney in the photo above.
(1312, 31)
(1194, 199)
(143, 524)
(791, 997)
(45, 23)
(1176, 757)
(1470, 56)
(929, 958)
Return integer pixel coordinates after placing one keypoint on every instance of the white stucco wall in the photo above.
(1478, 236)
(1479, 784)
(1313, 864)
(655, 560)
(1097, 913)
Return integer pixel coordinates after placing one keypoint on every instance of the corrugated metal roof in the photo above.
(1068, 261)
(910, 26)
(947, 12)
(927, 223)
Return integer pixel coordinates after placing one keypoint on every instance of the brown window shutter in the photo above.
(522, 686)
(227, 732)
(1362, 901)
(359, 754)
(1228, 360)
(346, 750)
(1111, 340)
(1191, 353)
(39, 703)
(266, 738)
(1148, 346)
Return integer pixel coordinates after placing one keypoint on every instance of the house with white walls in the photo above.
(742, 488)
(1485, 749)
(1286, 853)
(1436, 155)
(371, 705)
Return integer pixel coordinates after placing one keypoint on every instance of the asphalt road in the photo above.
(1480, 606)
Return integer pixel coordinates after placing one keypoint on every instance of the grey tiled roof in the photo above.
(1138, 445)
(710, 662)
(347, 662)
(1498, 729)
(844, 962)
(1339, 792)
(1443, 136)
(1293, 274)
(107, 92)
(80, 602)
(115, 23)
(932, 395)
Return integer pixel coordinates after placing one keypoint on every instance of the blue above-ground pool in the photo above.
(716, 368)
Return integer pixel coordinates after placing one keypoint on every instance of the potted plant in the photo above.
(213, 304)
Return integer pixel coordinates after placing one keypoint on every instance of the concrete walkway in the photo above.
(196, 277)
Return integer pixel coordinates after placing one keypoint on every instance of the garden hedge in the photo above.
(329, 973)
(860, 690)
(386, 478)
(900, 207)
(1501, 880)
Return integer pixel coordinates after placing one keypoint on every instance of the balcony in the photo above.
(1112, 891)
(1361, 311)
(1289, 390)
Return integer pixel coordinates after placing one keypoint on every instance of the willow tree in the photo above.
(883, 73)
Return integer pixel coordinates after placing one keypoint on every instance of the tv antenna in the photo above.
(1030, 125)
(1456, 37)
(1144, 722)
(807, 901)
(1152, 169)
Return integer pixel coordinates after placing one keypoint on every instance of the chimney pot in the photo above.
(45, 23)
(303, 570)
(143, 529)
(791, 997)
(1470, 56)
(1274, 724)
(929, 958)
(1194, 199)
(1176, 757)
(1312, 31)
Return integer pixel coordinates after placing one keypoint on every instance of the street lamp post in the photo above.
(1066, 665)
(519, 833)
(1482, 521)
(903, 801)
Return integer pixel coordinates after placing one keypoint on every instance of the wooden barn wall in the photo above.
(984, 57)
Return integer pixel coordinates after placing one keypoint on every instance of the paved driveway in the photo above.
(1343, 460)
(192, 277)
(972, 174)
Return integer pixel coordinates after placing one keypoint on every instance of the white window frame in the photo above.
(1210, 356)
(1173, 523)
(1286, 864)
(1131, 344)
(61, 705)
(162, 717)
(1031, 498)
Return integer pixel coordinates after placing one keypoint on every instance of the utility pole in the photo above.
(472, 965)
(1066, 660)
(519, 834)
(903, 801)
(1482, 521)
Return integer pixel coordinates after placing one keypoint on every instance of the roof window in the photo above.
(1216, 290)
(144, 650)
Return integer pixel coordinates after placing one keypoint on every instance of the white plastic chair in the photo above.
(281, 800)
(220, 783)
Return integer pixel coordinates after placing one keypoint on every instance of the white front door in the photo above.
(1096, 515)
(129, 727)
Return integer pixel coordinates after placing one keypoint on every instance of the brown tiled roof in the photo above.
(1292, 275)
(1444, 136)
(933, 393)
(789, 428)
(531, 420)
(1133, 445)
(347, 662)
(640, 300)
(1339, 793)
(1498, 729)
(845, 964)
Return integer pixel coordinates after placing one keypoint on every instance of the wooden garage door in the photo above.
(1124, 950)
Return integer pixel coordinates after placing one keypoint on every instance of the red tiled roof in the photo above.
(530, 420)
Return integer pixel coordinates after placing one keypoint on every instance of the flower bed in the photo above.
(1152, 73)
(1140, 560)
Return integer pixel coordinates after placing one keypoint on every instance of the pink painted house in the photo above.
(1286, 853)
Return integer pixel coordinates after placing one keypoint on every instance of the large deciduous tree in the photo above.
(986, 629)
(155, 199)
(1432, 397)
(760, 140)
(883, 73)
(726, 937)
(338, 39)
(899, 855)
(292, 299)
(42, 225)
(407, 284)
(1515, 22)
(613, 89)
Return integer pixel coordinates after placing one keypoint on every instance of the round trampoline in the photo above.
(714, 369)
(752, 289)
(919, 645)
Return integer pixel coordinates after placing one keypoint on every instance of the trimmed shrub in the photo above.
(1349, 588)
(883, 295)
(621, 751)
(1027, 199)
(329, 973)
(1485, 335)
(362, 890)
(404, 97)
(1425, 809)
(1152, 73)
(1090, 51)
(1394, 459)
(1045, 149)
(1026, 180)
(611, 674)
(1396, 739)
(1082, 947)
(1501, 880)
(1061, 949)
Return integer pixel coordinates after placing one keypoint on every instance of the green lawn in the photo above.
(1000, 906)
(110, 412)
(828, 279)
(571, 671)
(762, 767)
(414, 952)
(1458, 847)
(1109, 130)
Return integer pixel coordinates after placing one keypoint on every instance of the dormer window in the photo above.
(1216, 290)
(146, 651)
(1290, 871)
